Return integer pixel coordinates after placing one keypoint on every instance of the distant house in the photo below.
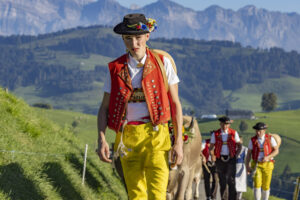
(240, 114)
(209, 116)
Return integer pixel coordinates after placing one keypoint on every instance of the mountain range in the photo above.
(248, 25)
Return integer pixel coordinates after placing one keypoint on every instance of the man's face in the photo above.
(260, 133)
(224, 126)
(136, 44)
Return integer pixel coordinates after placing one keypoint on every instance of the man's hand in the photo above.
(249, 169)
(213, 158)
(203, 159)
(103, 151)
(266, 159)
(177, 153)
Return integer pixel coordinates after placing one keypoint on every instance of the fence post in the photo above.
(296, 192)
(84, 164)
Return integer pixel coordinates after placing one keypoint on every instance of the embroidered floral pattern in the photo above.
(150, 26)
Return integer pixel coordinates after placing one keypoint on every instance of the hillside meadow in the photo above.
(40, 159)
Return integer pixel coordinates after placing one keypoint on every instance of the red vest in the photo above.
(256, 148)
(121, 89)
(230, 142)
(205, 151)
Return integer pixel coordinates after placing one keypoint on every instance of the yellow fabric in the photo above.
(145, 166)
(263, 175)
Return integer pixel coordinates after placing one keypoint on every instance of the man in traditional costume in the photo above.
(262, 148)
(209, 172)
(137, 106)
(224, 146)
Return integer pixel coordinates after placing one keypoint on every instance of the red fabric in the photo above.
(205, 151)
(230, 142)
(121, 90)
(256, 147)
(138, 122)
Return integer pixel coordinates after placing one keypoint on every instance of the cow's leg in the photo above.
(197, 183)
(189, 189)
(185, 173)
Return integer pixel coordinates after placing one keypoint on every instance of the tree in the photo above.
(243, 126)
(268, 101)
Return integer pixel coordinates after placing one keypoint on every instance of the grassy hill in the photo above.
(287, 90)
(42, 160)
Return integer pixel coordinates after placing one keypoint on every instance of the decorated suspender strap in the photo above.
(155, 52)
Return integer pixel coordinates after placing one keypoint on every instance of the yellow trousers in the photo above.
(145, 166)
(263, 175)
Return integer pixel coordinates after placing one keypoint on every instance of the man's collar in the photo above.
(134, 62)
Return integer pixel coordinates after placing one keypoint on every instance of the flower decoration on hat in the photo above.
(150, 26)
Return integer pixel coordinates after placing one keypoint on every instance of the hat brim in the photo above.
(259, 128)
(122, 29)
(226, 122)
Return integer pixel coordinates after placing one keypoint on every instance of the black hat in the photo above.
(260, 126)
(225, 120)
(135, 24)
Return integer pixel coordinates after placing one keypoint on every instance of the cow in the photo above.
(181, 180)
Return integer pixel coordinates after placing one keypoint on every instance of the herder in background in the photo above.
(224, 146)
(209, 172)
(262, 148)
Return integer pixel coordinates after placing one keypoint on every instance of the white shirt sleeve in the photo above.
(203, 145)
(250, 146)
(237, 137)
(273, 142)
(212, 139)
(170, 72)
(107, 84)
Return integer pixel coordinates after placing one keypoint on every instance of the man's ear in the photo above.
(148, 36)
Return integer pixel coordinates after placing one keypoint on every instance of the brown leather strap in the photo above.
(162, 69)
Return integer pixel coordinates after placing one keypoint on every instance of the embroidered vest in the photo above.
(267, 149)
(121, 90)
(205, 151)
(230, 142)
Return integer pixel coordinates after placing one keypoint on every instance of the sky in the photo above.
(271, 5)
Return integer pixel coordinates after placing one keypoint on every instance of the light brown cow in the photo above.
(181, 180)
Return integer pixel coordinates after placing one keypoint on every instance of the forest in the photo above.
(205, 68)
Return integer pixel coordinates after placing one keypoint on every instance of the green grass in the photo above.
(287, 90)
(71, 60)
(85, 101)
(42, 160)
(249, 195)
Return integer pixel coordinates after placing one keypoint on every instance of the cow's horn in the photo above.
(191, 124)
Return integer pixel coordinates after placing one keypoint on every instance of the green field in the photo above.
(86, 101)
(42, 160)
(287, 90)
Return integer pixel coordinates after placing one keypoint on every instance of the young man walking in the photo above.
(137, 106)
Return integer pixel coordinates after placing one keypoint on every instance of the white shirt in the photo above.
(137, 110)
(261, 142)
(224, 134)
